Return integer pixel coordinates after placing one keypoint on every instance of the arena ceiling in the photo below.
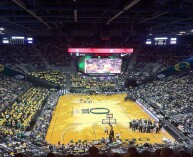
(83, 18)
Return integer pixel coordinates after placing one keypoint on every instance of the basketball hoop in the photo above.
(107, 121)
(110, 120)
(109, 115)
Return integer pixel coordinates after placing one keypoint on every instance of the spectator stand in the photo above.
(55, 77)
(87, 83)
(17, 117)
(39, 130)
(176, 91)
(55, 53)
(22, 55)
(11, 89)
(162, 56)
(13, 145)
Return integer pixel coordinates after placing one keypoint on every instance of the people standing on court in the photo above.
(160, 126)
(130, 124)
(88, 100)
(144, 125)
(106, 130)
(157, 130)
(140, 128)
(111, 135)
(117, 135)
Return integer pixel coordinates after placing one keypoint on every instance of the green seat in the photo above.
(22, 126)
(22, 134)
(19, 135)
(1, 122)
(71, 141)
(134, 139)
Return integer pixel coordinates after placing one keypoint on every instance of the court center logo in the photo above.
(99, 110)
(182, 66)
(1, 67)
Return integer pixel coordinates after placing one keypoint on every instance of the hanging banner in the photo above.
(177, 68)
(12, 73)
(1, 67)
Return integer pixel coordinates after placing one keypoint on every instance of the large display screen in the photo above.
(103, 65)
(100, 50)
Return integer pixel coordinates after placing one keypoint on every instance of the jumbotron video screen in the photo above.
(103, 65)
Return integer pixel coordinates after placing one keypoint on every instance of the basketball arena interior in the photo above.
(96, 78)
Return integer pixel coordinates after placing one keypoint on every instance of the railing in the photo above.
(176, 131)
(167, 123)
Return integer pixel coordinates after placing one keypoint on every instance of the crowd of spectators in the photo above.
(152, 59)
(39, 131)
(10, 88)
(130, 150)
(133, 151)
(17, 117)
(55, 53)
(80, 81)
(10, 145)
(20, 54)
(54, 76)
(166, 55)
(12, 142)
(171, 96)
(15, 67)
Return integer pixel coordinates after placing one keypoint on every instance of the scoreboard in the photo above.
(161, 41)
(17, 40)
(100, 61)
(102, 52)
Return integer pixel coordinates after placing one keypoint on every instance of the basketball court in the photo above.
(77, 120)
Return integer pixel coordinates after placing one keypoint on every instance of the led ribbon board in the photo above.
(100, 50)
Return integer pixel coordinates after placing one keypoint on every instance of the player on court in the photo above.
(106, 130)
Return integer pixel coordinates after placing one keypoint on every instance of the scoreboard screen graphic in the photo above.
(103, 65)
(101, 61)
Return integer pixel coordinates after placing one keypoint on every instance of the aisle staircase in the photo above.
(68, 83)
(39, 53)
(132, 61)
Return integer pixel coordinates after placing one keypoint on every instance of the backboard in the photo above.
(109, 121)
(109, 115)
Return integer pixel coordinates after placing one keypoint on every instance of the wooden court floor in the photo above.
(71, 122)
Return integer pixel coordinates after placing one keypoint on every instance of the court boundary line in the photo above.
(55, 121)
(123, 107)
